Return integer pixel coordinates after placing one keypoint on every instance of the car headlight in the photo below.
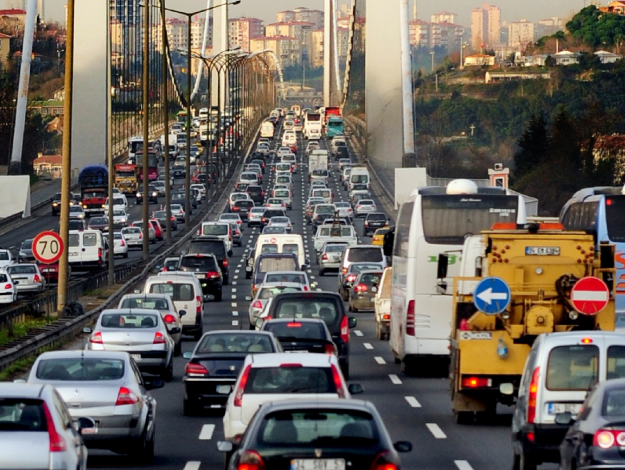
(138, 194)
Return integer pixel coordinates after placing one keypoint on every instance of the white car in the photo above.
(201, 188)
(344, 209)
(6, 257)
(119, 203)
(266, 292)
(234, 197)
(133, 236)
(120, 218)
(177, 211)
(8, 293)
(274, 203)
(120, 245)
(160, 186)
(364, 206)
(232, 218)
(281, 221)
(280, 376)
(27, 277)
(283, 151)
(76, 212)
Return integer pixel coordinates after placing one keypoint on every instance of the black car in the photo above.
(325, 305)
(260, 162)
(243, 207)
(596, 438)
(215, 363)
(268, 214)
(256, 193)
(152, 194)
(25, 254)
(179, 198)
(301, 334)
(56, 202)
(206, 269)
(333, 433)
(374, 221)
(215, 246)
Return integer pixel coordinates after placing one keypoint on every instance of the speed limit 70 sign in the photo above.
(48, 247)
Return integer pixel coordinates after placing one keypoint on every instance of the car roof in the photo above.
(307, 403)
(21, 390)
(269, 285)
(85, 353)
(306, 360)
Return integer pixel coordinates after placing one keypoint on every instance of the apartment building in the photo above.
(485, 26)
(242, 30)
(288, 49)
(301, 14)
(521, 34)
(443, 17)
(424, 34)
(315, 56)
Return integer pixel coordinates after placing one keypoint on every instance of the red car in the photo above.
(50, 272)
(158, 230)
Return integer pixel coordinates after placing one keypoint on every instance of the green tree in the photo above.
(533, 147)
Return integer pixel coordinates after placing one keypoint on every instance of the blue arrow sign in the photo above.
(492, 296)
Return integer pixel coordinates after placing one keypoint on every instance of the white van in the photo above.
(559, 372)
(249, 177)
(282, 243)
(289, 140)
(359, 175)
(186, 293)
(217, 229)
(87, 248)
(267, 129)
(324, 193)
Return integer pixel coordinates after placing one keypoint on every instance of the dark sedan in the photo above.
(307, 434)
(597, 438)
(152, 194)
(161, 216)
(214, 365)
(301, 334)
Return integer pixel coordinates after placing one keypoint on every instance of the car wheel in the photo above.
(178, 348)
(188, 408)
(354, 309)
(248, 275)
(322, 272)
(345, 370)
(378, 331)
(464, 417)
(143, 454)
(218, 296)
(168, 372)
(227, 279)
(522, 461)
(125, 255)
(198, 334)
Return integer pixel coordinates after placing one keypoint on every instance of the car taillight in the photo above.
(330, 349)
(57, 442)
(351, 278)
(257, 304)
(122, 243)
(338, 381)
(386, 316)
(361, 288)
(198, 299)
(251, 460)
(140, 236)
(8, 286)
(410, 319)
(96, 338)
(159, 338)
(238, 394)
(37, 278)
(126, 396)
(344, 270)
(235, 208)
(605, 438)
(169, 318)
(382, 462)
(225, 263)
(325, 256)
(366, 224)
(195, 370)
(531, 399)
(476, 382)
(345, 330)
(212, 275)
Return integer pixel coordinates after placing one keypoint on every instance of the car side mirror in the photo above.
(225, 446)
(175, 330)
(565, 419)
(85, 425)
(351, 322)
(16, 283)
(230, 253)
(355, 389)
(154, 384)
(187, 354)
(182, 313)
(87, 330)
(402, 446)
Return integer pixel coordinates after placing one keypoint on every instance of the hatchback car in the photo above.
(348, 278)
(177, 211)
(254, 216)
(275, 204)
(139, 332)
(280, 221)
(215, 363)
(151, 232)
(8, 291)
(120, 245)
(27, 278)
(36, 429)
(107, 387)
(362, 293)
(161, 216)
(272, 377)
(266, 291)
(374, 221)
(308, 335)
(329, 257)
(378, 236)
(364, 207)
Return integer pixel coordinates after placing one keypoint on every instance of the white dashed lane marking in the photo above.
(436, 431)
(396, 380)
(367, 345)
(463, 465)
(235, 313)
(234, 304)
(207, 432)
(235, 322)
(358, 333)
(192, 465)
(379, 360)
(412, 401)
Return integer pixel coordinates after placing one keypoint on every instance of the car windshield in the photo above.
(317, 427)
(75, 209)
(98, 221)
(129, 320)
(80, 369)
(229, 343)
(160, 214)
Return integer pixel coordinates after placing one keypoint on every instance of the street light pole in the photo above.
(165, 106)
(146, 123)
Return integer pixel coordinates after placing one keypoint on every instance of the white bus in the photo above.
(134, 145)
(434, 221)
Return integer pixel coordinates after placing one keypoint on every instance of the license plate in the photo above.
(73, 253)
(317, 464)
(557, 408)
(200, 276)
(298, 351)
(542, 250)
(224, 389)
(48, 270)
(136, 357)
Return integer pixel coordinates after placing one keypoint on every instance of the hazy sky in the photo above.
(512, 10)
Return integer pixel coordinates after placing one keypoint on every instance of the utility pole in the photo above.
(145, 85)
(165, 105)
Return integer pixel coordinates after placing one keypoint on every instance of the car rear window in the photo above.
(318, 427)
(215, 229)
(312, 307)
(335, 248)
(146, 302)
(198, 263)
(132, 321)
(285, 277)
(296, 329)
(4, 256)
(80, 369)
(21, 270)
(376, 217)
(19, 414)
(357, 255)
(177, 291)
(371, 279)
(254, 190)
(276, 264)
(613, 403)
(573, 367)
(233, 343)
(281, 380)
(270, 292)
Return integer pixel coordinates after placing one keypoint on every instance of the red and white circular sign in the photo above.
(273, 241)
(48, 247)
(590, 295)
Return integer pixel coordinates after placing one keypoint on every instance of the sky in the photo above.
(512, 10)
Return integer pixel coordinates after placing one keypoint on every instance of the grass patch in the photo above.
(21, 366)
(18, 330)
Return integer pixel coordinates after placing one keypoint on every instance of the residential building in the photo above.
(617, 7)
(521, 34)
(242, 30)
(315, 56)
(608, 57)
(177, 30)
(424, 34)
(301, 14)
(48, 165)
(485, 26)
(12, 21)
(5, 50)
(566, 58)
(479, 60)
(443, 17)
(497, 77)
(287, 49)
(300, 30)
(549, 26)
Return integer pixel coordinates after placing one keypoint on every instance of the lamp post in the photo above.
(463, 44)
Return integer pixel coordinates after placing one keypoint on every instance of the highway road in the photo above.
(414, 408)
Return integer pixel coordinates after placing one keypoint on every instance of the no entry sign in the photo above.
(590, 295)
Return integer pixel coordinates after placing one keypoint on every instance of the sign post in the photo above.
(48, 247)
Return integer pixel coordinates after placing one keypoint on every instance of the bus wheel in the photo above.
(463, 417)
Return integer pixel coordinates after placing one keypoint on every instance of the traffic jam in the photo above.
(309, 326)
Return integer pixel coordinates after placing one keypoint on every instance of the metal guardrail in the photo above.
(71, 328)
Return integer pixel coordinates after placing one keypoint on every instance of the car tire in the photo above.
(218, 296)
(188, 408)
(198, 334)
(523, 461)
(322, 272)
(168, 372)
(125, 255)
(143, 454)
(379, 334)
(178, 348)
(345, 370)
(227, 279)
(248, 275)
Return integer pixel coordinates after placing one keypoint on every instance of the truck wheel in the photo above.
(463, 417)
(378, 331)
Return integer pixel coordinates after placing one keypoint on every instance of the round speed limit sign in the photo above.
(48, 247)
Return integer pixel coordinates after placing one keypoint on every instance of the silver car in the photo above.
(27, 277)
(329, 257)
(266, 292)
(107, 387)
(141, 333)
(281, 221)
(36, 429)
(364, 206)
(254, 216)
(133, 236)
(165, 305)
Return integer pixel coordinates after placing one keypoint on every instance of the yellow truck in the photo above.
(517, 284)
(126, 178)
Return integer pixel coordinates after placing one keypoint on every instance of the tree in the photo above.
(533, 147)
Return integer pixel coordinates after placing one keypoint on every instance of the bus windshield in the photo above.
(615, 218)
(448, 219)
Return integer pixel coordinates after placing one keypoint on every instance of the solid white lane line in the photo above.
(207, 432)
(463, 465)
(367, 345)
(192, 465)
(235, 322)
(379, 360)
(436, 431)
(396, 380)
(358, 333)
(412, 401)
